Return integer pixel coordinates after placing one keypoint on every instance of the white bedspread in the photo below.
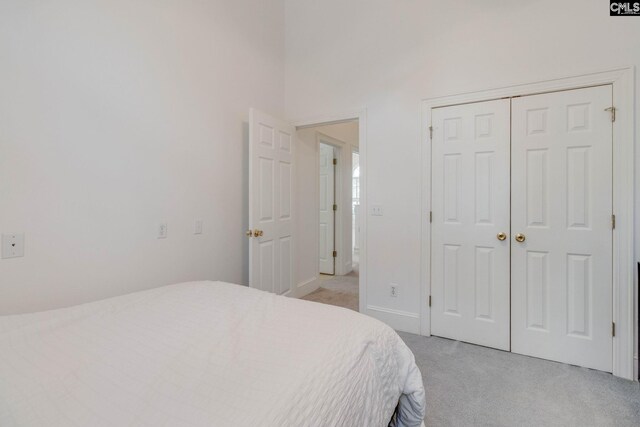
(205, 354)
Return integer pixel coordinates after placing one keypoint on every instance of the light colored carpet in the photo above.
(341, 299)
(337, 290)
(469, 385)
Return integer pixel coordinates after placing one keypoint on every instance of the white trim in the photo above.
(425, 244)
(622, 80)
(399, 320)
(306, 287)
(361, 117)
(623, 235)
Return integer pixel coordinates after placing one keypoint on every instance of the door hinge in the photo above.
(613, 329)
(430, 132)
(335, 161)
(613, 222)
(429, 300)
(613, 113)
(335, 207)
(430, 216)
(335, 254)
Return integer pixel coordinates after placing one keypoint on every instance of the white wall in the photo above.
(345, 137)
(117, 115)
(346, 132)
(389, 55)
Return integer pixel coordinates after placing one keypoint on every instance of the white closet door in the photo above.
(470, 203)
(270, 203)
(562, 204)
(327, 215)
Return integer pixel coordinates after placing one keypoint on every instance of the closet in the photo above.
(521, 237)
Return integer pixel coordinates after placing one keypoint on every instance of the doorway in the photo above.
(331, 194)
(621, 113)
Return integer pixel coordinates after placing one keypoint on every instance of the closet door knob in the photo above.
(502, 236)
(249, 233)
(520, 238)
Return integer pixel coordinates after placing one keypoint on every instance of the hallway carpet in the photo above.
(337, 290)
(469, 385)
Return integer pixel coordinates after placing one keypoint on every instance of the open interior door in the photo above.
(327, 212)
(270, 203)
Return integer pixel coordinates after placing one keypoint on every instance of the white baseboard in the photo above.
(304, 288)
(399, 320)
(348, 268)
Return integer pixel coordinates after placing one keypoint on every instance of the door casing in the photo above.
(624, 272)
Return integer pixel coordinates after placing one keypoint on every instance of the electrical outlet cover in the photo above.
(394, 290)
(162, 230)
(12, 245)
(376, 210)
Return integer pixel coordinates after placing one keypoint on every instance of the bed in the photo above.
(205, 354)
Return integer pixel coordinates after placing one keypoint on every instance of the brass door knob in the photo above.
(257, 233)
(249, 233)
(502, 236)
(520, 238)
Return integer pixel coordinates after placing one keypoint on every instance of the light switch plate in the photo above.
(12, 245)
(162, 230)
(198, 227)
(376, 210)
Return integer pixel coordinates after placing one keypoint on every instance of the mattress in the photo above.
(205, 354)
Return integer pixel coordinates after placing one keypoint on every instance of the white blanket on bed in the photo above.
(205, 354)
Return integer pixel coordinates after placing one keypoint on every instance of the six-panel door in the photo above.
(561, 275)
(270, 203)
(326, 213)
(470, 203)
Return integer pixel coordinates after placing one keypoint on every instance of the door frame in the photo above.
(338, 227)
(622, 81)
(361, 116)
